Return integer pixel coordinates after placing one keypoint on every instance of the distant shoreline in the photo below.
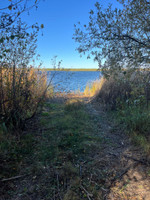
(63, 69)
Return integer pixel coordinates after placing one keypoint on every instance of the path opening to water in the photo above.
(75, 151)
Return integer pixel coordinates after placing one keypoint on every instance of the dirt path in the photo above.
(127, 169)
(74, 151)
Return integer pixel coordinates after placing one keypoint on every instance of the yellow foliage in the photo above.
(25, 87)
(93, 88)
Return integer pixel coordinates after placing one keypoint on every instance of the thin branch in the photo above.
(87, 193)
(12, 5)
(12, 178)
(131, 38)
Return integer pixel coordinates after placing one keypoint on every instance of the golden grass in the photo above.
(21, 92)
(94, 87)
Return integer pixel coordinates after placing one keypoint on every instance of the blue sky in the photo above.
(59, 17)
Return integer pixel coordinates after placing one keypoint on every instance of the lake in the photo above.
(72, 81)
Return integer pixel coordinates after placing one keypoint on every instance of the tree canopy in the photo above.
(13, 9)
(13, 31)
(117, 38)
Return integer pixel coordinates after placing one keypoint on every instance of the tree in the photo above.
(13, 9)
(11, 12)
(18, 48)
(20, 90)
(117, 38)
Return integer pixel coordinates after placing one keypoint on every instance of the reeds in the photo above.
(20, 94)
(128, 96)
(129, 88)
(94, 87)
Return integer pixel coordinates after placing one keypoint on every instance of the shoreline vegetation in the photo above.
(55, 150)
(86, 69)
(89, 145)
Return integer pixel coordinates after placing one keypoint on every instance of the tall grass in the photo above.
(94, 87)
(20, 94)
(126, 89)
(31, 89)
(128, 95)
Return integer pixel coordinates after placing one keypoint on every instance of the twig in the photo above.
(47, 129)
(144, 162)
(119, 176)
(12, 178)
(88, 194)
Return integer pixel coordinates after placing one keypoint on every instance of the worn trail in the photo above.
(74, 151)
(128, 170)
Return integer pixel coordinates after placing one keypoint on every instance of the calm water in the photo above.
(72, 81)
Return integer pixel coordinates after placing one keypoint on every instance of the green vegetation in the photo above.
(50, 152)
(128, 96)
(22, 87)
(118, 36)
(136, 122)
(65, 138)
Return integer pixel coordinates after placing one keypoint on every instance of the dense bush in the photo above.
(21, 86)
(128, 95)
(30, 88)
(126, 89)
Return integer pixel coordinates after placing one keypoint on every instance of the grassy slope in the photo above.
(69, 155)
(52, 155)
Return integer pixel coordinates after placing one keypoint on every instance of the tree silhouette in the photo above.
(117, 38)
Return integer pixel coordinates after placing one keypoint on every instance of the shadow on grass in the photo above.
(73, 153)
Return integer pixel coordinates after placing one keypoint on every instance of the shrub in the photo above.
(126, 89)
(128, 94)
(30, 87)
(22, 87)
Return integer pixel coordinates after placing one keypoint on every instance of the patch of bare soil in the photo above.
(126, 167)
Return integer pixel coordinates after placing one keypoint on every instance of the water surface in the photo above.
(72, 81)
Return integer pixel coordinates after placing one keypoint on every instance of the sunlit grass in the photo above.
(94, 87)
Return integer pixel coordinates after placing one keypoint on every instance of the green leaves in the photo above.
(123, 33)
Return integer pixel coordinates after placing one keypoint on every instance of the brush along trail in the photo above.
(77, 152)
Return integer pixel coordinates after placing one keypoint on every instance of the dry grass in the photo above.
(128, 96)
(94, 87)
(20, 94)
(129, 88)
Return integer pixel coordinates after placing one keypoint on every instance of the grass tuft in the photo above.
(94, 87)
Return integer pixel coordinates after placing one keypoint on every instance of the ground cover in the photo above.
(49, 159)
(74, 150)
